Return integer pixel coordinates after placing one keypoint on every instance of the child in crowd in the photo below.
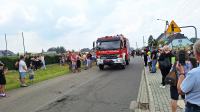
(3, 71)
(78, 63)
(149, 60)
(31, 73)
(84, 58)
(74, 61)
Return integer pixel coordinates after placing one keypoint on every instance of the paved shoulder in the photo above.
(161, 96)
(40, 94)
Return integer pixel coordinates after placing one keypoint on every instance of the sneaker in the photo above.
(23, 85)
(3, 95)
(163, 87)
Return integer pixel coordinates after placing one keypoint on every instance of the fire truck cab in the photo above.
(112, 50)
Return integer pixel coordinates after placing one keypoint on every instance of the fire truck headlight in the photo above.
(99, 61)
(118, 60)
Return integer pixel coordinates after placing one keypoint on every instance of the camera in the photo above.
(181, 57)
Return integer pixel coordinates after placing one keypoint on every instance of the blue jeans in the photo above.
(153, 69)
(189, 108)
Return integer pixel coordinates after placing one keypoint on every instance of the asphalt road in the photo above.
(111, 90)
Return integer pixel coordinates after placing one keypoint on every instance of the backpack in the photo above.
(171, 77)
(165, 63)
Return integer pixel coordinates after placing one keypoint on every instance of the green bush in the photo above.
(51, 59)
(10, 61)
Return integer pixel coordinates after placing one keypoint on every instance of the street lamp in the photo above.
(166, 24)
(195, 29)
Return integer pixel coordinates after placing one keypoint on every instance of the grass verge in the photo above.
(52, 71)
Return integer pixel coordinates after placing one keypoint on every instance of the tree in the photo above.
(51, 49)
(161, 42)
(60, 49)
(155, 43)
(150, 40)
(85, 50)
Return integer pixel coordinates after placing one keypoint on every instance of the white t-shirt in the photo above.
(21, 65)
(148, 59)
(42, 58)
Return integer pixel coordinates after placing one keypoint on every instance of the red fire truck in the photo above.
(112, 50)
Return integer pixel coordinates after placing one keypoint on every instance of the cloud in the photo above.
(76, 24)
(33, 42)
(71, 22)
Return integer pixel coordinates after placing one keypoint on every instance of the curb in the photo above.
(142, 104)
(150, 96)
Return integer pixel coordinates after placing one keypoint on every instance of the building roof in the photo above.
(160, 36)
(3, 53)
(178, 40)
(176, 36)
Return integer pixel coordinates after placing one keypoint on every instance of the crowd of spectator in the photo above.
(179, 69)
(77, 60)
(27, 65)
(24, 65)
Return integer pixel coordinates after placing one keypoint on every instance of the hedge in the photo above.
(51, 59)
(10, 61)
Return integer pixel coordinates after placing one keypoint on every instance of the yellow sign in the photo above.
(173, 28)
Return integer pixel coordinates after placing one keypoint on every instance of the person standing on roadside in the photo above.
(78, 63)
(149, 60)
(69, 62)
(3, 71)
(181, 55)
(84, 58)
(74, 61)
(145, 58)
(22, 71)
(89, 60)
(165, 63)
(43, 62)
(188, 83)
(154, 60)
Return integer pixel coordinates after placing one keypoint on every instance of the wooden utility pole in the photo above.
(23, 43)
(6, 45)
(143, 42)
(136, 45)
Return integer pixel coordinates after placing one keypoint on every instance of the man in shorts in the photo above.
(22, 71)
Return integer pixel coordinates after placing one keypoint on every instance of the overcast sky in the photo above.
(75, 24)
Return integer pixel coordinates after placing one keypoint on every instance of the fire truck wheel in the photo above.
(127, 62)
(123, 66)
(101, 67)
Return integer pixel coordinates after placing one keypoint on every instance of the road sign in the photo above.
(173, 28)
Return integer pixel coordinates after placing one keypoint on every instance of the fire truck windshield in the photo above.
(108, 45)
